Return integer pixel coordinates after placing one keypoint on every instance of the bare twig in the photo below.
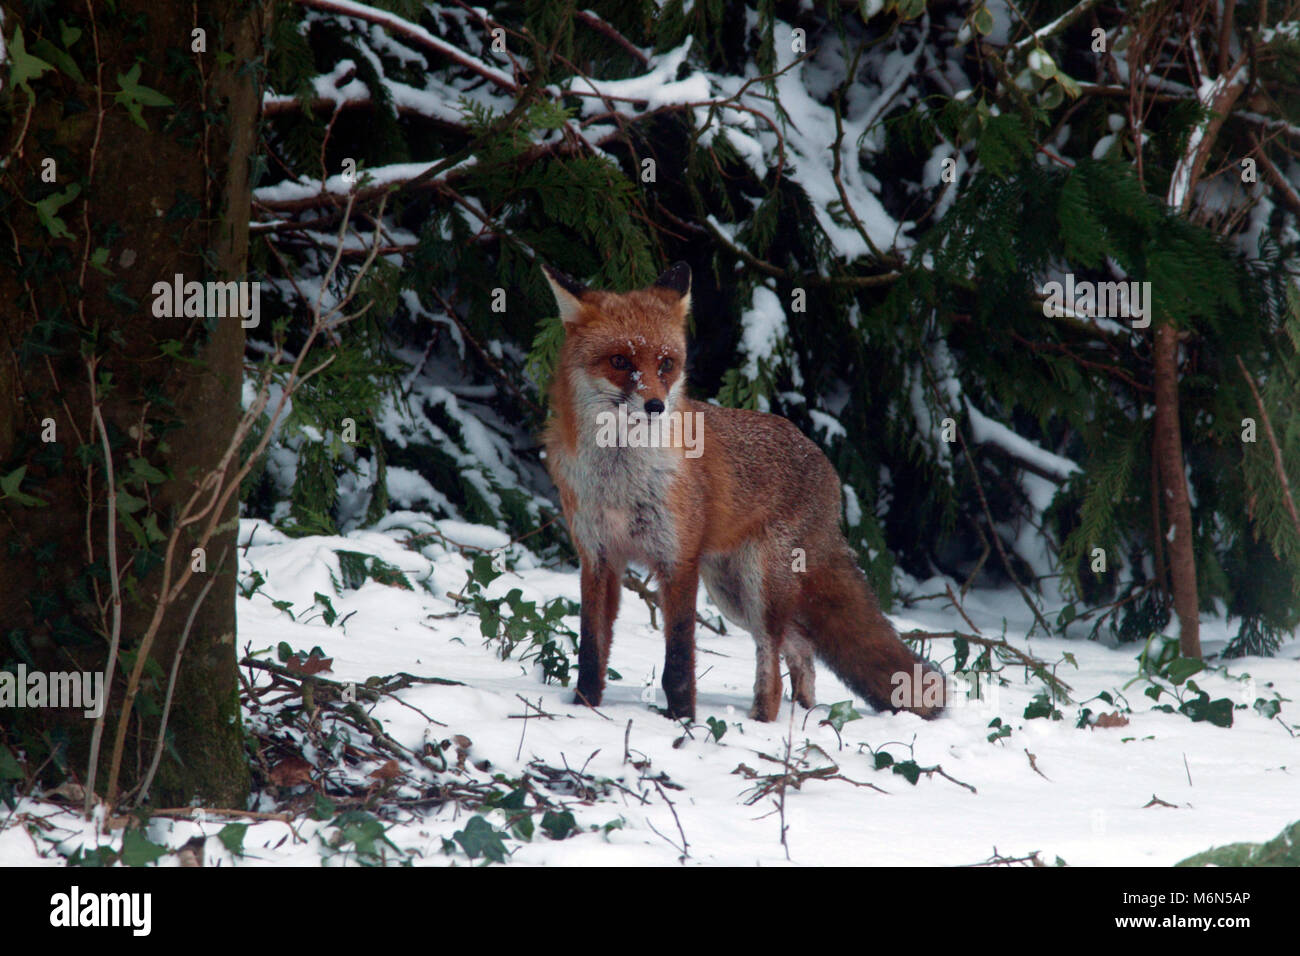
(1033, 765)
(115, 585)
(171, 682)
(684, 849)
(1278, 464)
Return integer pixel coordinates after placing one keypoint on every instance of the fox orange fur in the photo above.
(736, 513)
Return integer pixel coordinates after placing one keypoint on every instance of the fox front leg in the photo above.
(678, 598)
(600, 593)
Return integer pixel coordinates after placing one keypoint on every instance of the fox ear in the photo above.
(677, 278)
(568, 292)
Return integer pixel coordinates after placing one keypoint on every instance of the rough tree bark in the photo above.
(161, 193)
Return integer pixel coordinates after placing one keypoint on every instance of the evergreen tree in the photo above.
(873, 200)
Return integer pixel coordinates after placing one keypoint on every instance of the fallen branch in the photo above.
(1005, 651)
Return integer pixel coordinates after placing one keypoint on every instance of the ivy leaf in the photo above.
(23, 66)
(133, 96)
(361, 830)
(558, 825)
(1041, 706)
(484, 573)
(146, 472)
(128, 503)
(99, 259)
(1199, 708)
(523, 829)
(322, 807)
(1181, 668)
(9, 485)
(47, 211)
(136, 531)
(479, 838)
(138, 851)
(910, 770)
(10, 769)
(514, 800)
(172, 348)
(1268, 709)
(841, 713)
(329, 615)
(232, 837)
(151, 529)
(64, 62)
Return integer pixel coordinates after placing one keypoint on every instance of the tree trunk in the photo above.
(149, 190)
(1173, 482)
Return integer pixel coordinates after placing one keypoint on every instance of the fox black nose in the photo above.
(654, 406)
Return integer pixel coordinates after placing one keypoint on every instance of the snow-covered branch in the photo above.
(1216, 98)
(1051, 29)
(417, 35)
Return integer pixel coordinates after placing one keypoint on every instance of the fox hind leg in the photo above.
(799, 658)
(771, 640)
(767, 678)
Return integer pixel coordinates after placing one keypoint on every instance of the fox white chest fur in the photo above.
(622, 491)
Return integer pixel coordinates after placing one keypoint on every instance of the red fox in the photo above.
(739, 498)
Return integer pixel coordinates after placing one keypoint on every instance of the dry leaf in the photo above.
(290, 772)
(463, 744)
(312, 665)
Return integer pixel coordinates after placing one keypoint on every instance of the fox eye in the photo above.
(665, 366)
(620, 362)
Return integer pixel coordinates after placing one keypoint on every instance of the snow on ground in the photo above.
(1088, 806)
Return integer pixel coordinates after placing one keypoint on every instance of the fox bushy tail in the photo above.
(842, 619)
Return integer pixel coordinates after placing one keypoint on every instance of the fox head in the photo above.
(624, 348)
